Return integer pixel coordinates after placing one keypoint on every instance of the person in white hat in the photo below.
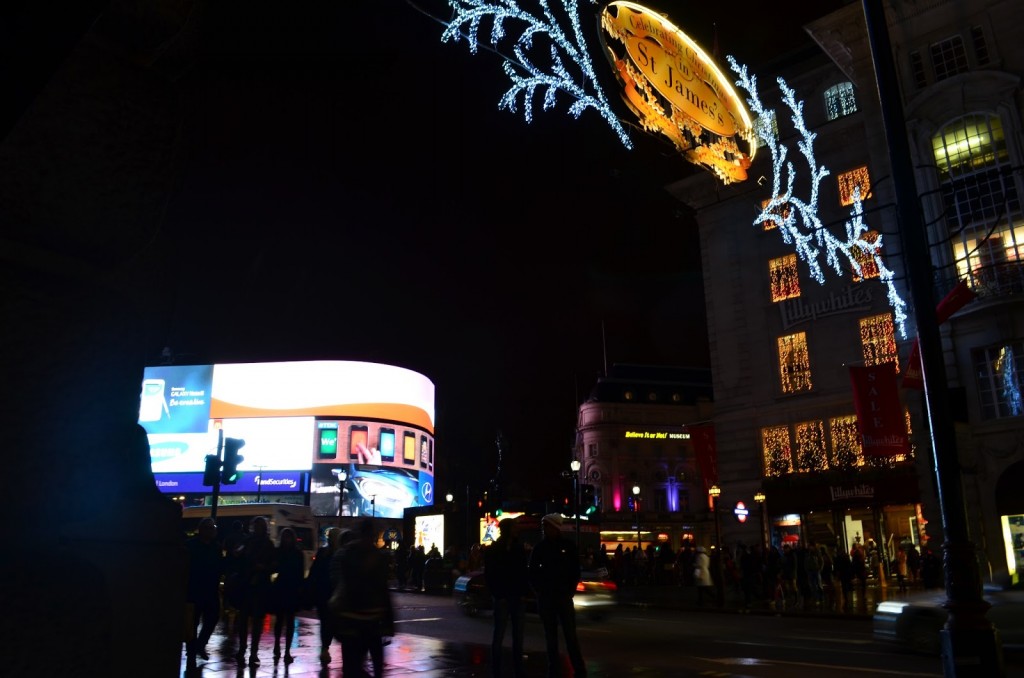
(554, 572)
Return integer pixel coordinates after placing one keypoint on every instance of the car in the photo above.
(914, 622)
(596, 594)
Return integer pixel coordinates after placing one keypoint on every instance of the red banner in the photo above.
(879, 412)
(702, 436)
(957, 298)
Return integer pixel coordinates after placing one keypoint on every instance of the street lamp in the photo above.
(575, 466)
(759, 498)
(714, 492)
(636, 514)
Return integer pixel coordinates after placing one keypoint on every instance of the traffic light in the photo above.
(229, 476)
(588, 503)
(212, 470)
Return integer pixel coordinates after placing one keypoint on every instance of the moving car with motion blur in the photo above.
(595, 594)
(914, 622)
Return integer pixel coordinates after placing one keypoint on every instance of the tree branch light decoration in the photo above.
(797, 219)
(565, 48)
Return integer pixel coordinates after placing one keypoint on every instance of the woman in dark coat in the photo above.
(287, 594)
(319, 583)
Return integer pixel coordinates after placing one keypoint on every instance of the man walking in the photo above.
(505, 565)
(554, 572)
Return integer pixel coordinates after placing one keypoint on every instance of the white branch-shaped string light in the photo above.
(798, 220)
(526, 76)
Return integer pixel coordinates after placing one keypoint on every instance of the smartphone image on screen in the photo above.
(329, 443)
(387, 444)
(409, 447)
(358, 435)
(424, 454)
(153, 404)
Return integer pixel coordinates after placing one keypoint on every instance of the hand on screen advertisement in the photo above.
(368, 456)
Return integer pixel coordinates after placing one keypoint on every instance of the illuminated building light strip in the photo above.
(472, 12)
(813, 236)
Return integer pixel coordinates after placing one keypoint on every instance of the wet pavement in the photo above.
(412, 655)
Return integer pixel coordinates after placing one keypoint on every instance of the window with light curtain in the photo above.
(794, 363)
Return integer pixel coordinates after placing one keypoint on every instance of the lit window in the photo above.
(840, 100)
(810, 447)
(999, 380)
(629, 395)
(981, 204)
(794, 363)
(848, 181)
(846, 448)
(783, 276)
(878, 340)
(949, 57)
(781, 211)
(868, 265)
(777, 455)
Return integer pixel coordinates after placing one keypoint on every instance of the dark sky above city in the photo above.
(350, 190)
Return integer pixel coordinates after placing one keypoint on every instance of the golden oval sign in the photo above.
(676, 89)
(680, 82)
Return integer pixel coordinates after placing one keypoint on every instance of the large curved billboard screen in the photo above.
(372, 424)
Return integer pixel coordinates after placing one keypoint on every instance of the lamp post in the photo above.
(759, 498)
(259, 484)
(714, 492)
(575, 466)
(636, 514)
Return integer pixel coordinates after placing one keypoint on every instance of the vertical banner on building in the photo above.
(957, 298)
(703, 438)
(879, 412)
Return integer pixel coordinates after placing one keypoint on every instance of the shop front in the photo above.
(881, 513)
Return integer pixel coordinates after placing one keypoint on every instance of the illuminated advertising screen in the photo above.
(302, 423)
(429, 532)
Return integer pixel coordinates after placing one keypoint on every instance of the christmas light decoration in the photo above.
(846, 448)
(565, 49)
(801, 226)
(794, 363)
(878, 340)
(810, 447)
(776, 446)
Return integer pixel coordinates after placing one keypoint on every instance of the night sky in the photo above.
(349, 190)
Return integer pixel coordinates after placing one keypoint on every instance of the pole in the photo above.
(969, 641)
(718, 553)
(575, 466)
(259, 484)
(216, 481)
(760, 498)
(636, 514)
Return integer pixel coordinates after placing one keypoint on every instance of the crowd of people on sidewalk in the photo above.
(792, 576)
(347, 584)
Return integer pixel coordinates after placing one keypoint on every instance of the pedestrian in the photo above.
(702, 576)
(554, 572)
(402, 566)
(901, 569)
(287, 590)
(361, 602)
(505, 564)
(205, 567)
(844, 574)
(257, 564)
(318, 583)
(812, 571)
(417, 563)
